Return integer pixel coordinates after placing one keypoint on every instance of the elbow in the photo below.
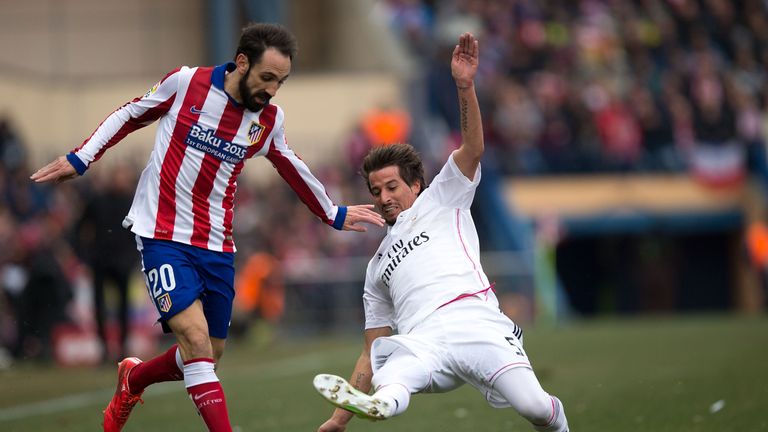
(475, 152)
(479, 151)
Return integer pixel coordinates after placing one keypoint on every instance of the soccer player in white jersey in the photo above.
(426, 282)
(210, 121)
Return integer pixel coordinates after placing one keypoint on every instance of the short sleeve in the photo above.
(377, 304)
(451, 188)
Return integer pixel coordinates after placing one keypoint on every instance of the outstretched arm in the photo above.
(132, 116)
(464, 62)
(361, 380)
(312, 192)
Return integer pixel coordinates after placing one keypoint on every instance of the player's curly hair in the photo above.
(404, 156)
(257, 37)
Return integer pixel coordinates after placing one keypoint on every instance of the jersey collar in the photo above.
(217, 79)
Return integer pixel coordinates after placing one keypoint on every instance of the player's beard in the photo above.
(249, 99)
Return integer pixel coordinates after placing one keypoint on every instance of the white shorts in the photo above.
(469, 341)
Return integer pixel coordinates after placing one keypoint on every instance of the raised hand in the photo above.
(464, 60)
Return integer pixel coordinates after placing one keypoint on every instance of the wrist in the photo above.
(465, 85)
(341, 216)
(76, 163)
(342, 416)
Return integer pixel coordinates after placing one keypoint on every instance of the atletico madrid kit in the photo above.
(186, 192)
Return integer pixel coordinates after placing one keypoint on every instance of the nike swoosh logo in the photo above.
(197, 397)
(194, 110)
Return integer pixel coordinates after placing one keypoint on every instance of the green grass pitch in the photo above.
(658, 374)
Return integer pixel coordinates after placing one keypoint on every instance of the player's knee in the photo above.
(536, 409)
(196, 344)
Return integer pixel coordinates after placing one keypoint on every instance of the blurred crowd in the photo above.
(38, 267)
(566, 87)
(603, 85)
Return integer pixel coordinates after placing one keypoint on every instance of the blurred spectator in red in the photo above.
(618, 131)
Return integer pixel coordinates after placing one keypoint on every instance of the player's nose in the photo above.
(272, 89)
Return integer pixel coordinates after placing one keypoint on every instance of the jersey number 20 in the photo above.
(164, 275)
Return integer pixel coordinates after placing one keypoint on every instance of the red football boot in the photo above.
(119, 408)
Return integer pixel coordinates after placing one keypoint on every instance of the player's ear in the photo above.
(416, 187)
(241, 61)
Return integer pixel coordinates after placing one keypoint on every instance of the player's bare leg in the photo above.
(203, 386)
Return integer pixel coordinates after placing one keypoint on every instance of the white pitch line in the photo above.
(51, 406)
(66, 403)
(278, 369)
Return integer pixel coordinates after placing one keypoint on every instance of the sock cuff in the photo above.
(177, 356)
(555, 410)
(397, 393)
(199, 359)
(199, 371)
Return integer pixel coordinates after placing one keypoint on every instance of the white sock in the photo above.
(397, 395)
(199, 371)
(179, 360)
(558, 423)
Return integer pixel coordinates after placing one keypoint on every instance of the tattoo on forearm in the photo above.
(359, 379)
(464, 110)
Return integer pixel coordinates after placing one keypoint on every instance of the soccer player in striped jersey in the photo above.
(426, 282)
(210, 121)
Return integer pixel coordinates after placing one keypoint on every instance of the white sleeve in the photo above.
(377, 304)
(134, 115)
(451, 188)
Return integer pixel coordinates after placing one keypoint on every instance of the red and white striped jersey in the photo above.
(186, 192)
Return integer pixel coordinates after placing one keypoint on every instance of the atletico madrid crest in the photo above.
(254, 132)
(164, 303)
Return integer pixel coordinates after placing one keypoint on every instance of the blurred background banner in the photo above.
(625, 171)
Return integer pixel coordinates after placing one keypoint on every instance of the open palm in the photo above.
(464, 60)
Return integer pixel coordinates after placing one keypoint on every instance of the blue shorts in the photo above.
(177, 274)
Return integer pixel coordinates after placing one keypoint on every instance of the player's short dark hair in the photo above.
(404, 156)
(257, 37)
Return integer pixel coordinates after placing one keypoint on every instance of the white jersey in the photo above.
(186, 192)
(430, 256)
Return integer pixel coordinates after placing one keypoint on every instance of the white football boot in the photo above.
(339, 392)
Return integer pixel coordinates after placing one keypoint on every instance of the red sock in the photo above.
(159, 369)
(212, 405)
